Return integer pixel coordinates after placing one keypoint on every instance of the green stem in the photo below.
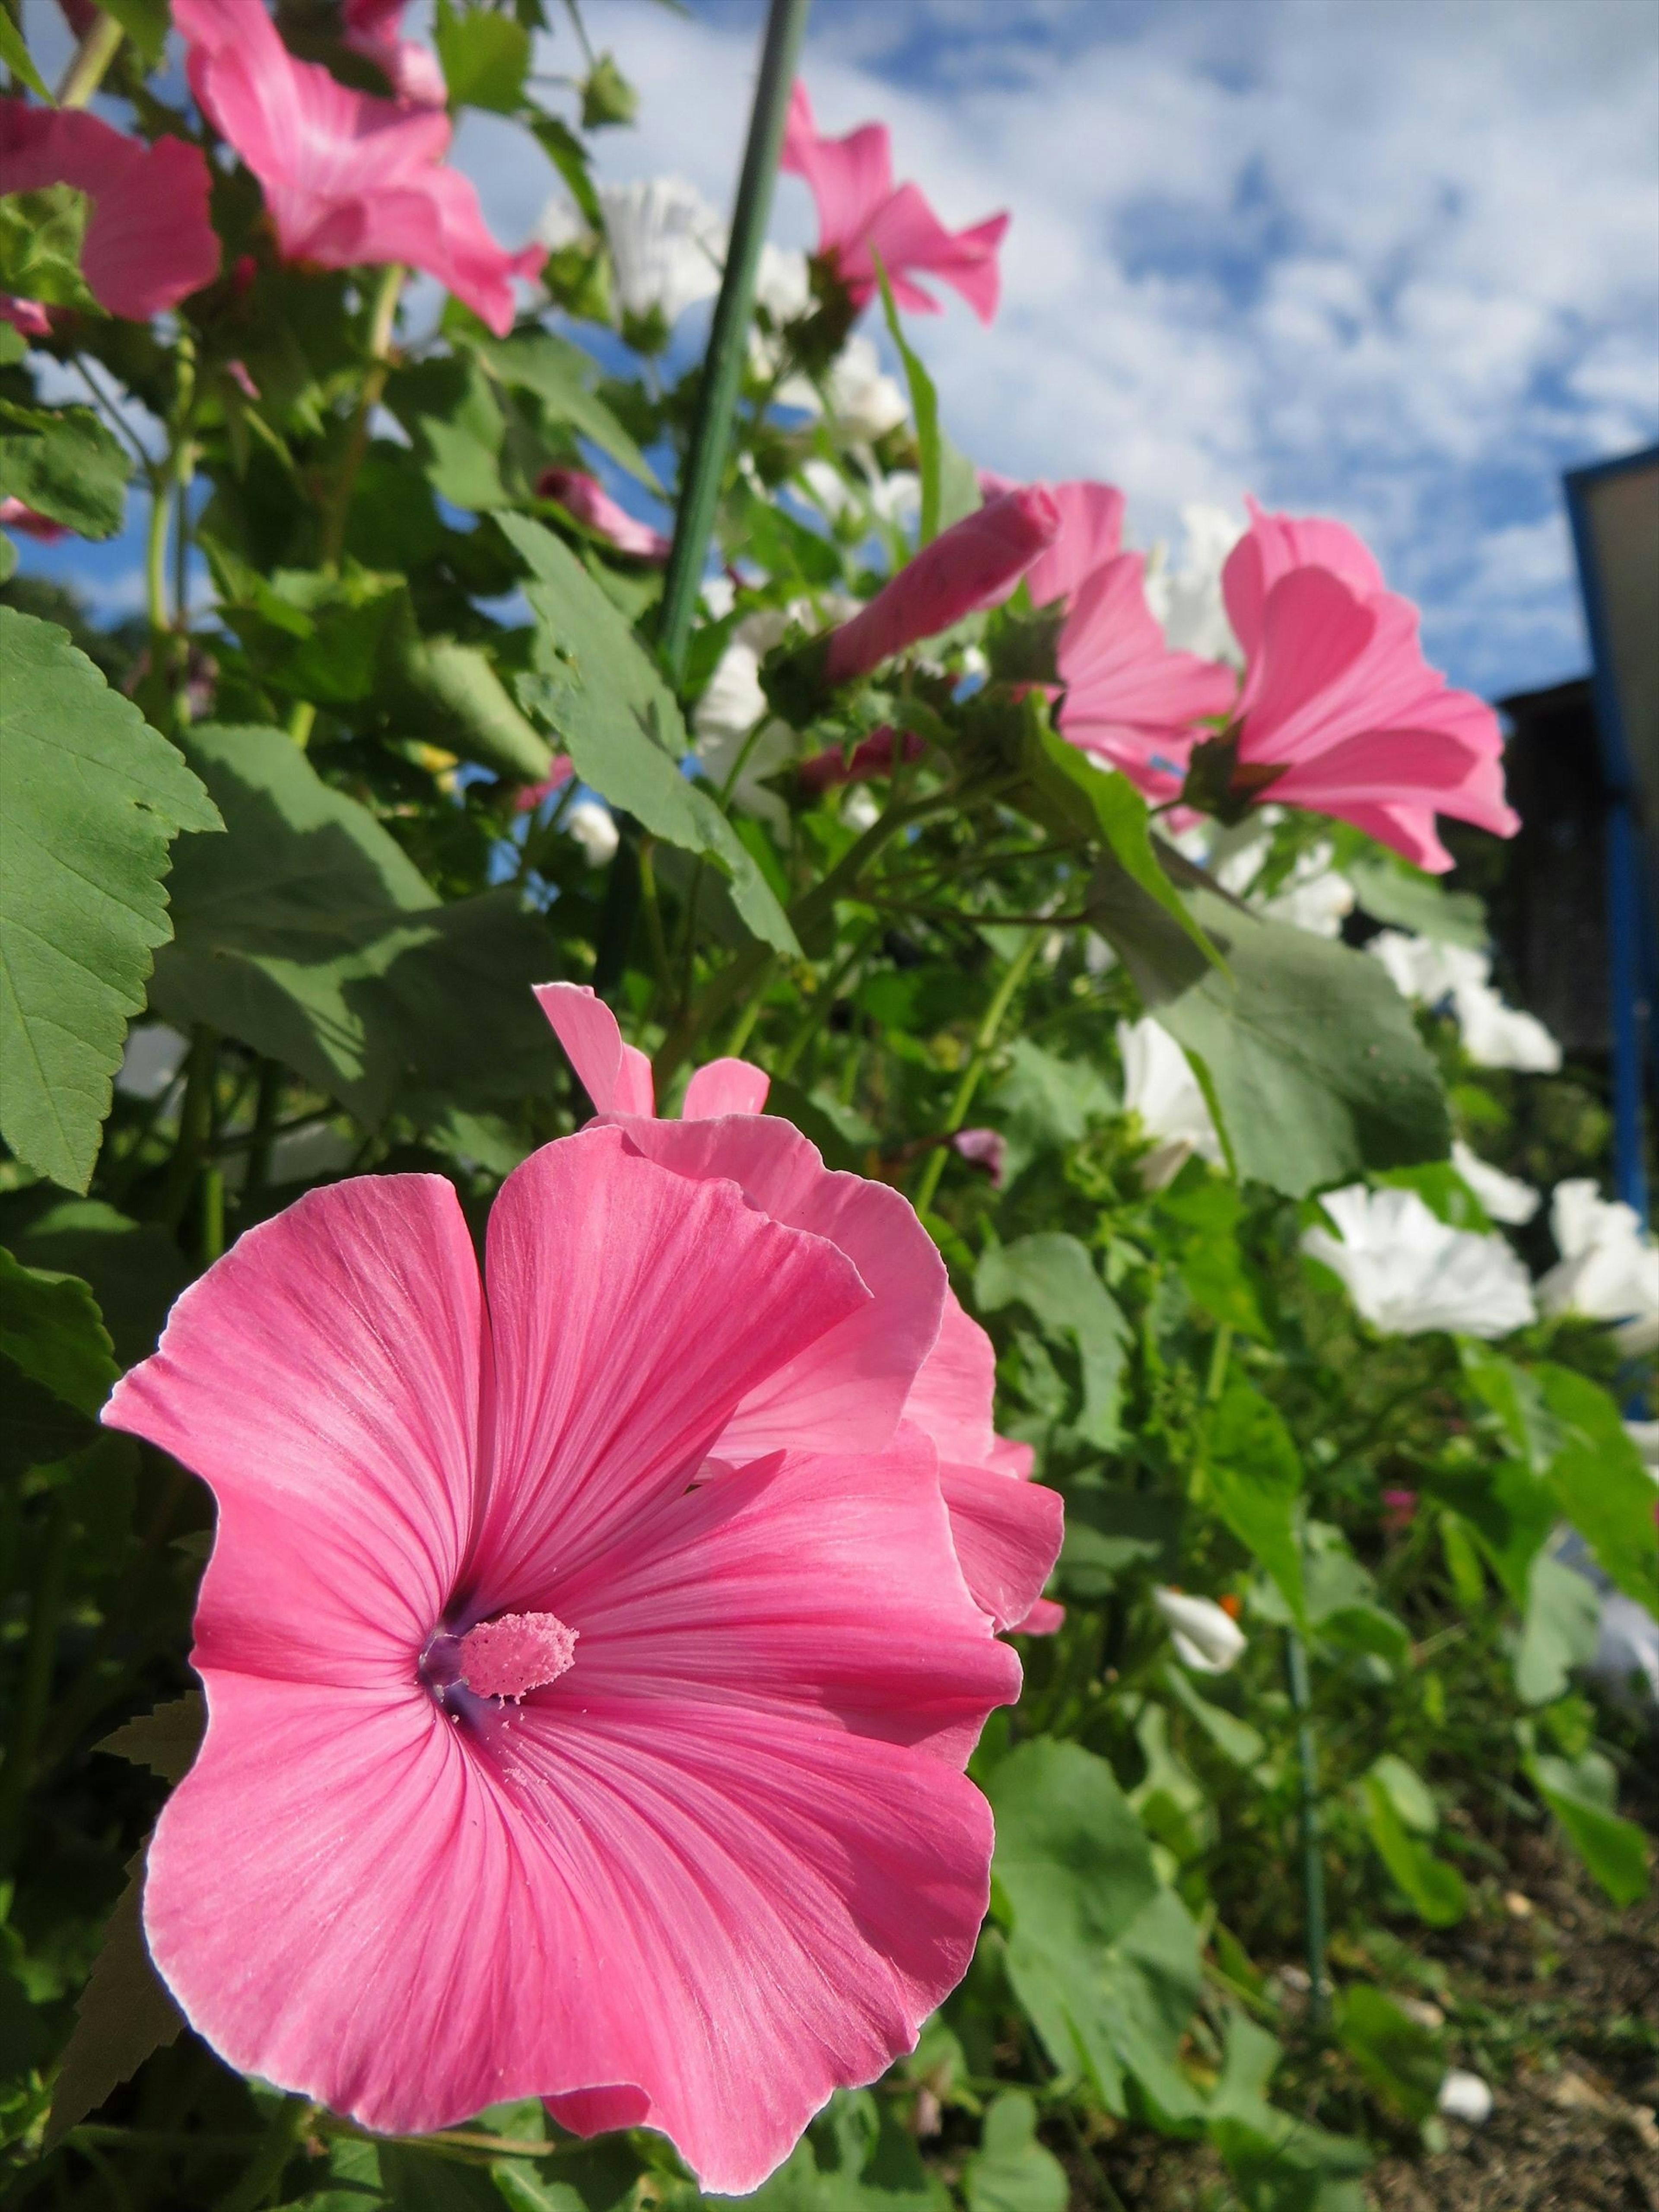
(1313, 1863)
(653, 928)
(89, 61)
(822, 1004)
(213, 1214)
(195, 1122)
(267, 1103)
(728, 339)
(984, 1046)
(743, 1028)
(156, 569)
(1220, 1352)
(290, 2124)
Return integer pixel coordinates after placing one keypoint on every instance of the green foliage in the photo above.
(14, 56)
(1255, 1471)
(42, 235)
(1053, 1277)
(1011, 2172)
(63, 463)
(485, 56)
(92, 799)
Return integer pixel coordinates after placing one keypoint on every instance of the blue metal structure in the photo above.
(1632, 942)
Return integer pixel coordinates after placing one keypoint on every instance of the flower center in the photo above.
(514, 1654)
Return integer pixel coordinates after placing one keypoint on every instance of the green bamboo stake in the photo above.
(728, 340)
(1313, 1862)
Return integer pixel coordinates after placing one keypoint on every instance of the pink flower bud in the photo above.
(975, 563)
(581, 494)
(874, 756)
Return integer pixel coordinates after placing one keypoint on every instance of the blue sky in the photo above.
(1394, 260)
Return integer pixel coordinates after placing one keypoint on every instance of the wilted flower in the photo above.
(149, 241)
(912, 1358)
(594, 826)
(1495, 1034)
(578, 1725)
(860, 214)
(1399, 1511)
(1609, 1266)
(1408, 1271)
(667, 247)
(372, 29)
(348, 179)
(975, 563)
(585, 497)
(1187, 600)
(1339, 712)
(1160, 1089)
(1504, 1198)
(1205, 1638)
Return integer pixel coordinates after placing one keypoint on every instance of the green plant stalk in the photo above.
(822, 1004)
(290, 2124)
(194, 1123)
(40, 1655)
(728, 339)
(984, 1045)
(89, 61)
(1313, 1862)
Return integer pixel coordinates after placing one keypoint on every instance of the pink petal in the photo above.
(371, 29)
(1274, 546)
(1125, 690)
(1007, 1535)
(323, 1379)
(1045, 1618)
(911, 237)
(951, 1398)
(1090, 532)
(632, 1311)
(149, 243)
(616, 1075)
(849, 176)
(15, 515)
(25, 315)
(582, 495)
(725, 1087)
(1314, 633)
(847, 1390)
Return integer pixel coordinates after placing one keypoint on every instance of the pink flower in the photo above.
(14, 515)
(348, 179)
(975, 563)
(371, 29)
(1091, 534)
(581, 494)
(987, 1149)
(25, 315)
(1340, 713)
(148, 243)
(1128, 699)
(1399, 1511)
(544, 1758)
(872, 756)
(912, 1357)
(529, 796)
(860, 214)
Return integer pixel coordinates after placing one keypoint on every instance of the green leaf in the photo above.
(42, 235)
(64, 463)
(124, 2013)
(1011, 2172)
(1240, 1744)
(1397, 2056)
(559, 375)
(484, 56)
(1111, 1534)
(607, 96)
(1515, 1396)
(1560, 1630)
(621, 724)
(1044, 1104)
(1053, 1275)
(1509, 1508)
(449, 409)
(1255, 1472)
(449, 693)
(1280, 2161)
(857, 2157)
(1434, 1890)
(1392, 891)
(924, 406)
(1307, 1050)
(51, 1328)
(1582, 1793)
(15, 55)
(1204, 1212)
(146, 23)
(309, 935)
(90, 798)
(569, 157)
(136, 1270)
(166, 1740)
(1599, 1483)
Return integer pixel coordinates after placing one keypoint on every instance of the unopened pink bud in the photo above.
(975, 563)
(582, 495)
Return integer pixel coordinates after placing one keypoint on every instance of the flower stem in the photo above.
(1313, 1863)
(89, 61)
(984, 1046)
(728, 338)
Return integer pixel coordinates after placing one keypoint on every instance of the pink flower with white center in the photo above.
(860, 214)
(149, 242)
(910, 1361)
(582, 495)
(975, 563)
(347, 179)
(372, 30)
(1339, 712)
(535, 1765)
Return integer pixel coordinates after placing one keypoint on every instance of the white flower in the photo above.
(1608, 1269)
(731, 704)
(1464, 2096)
(667, 245)
(1315, 896)
(1626, 1646)
(858, 809)
(152, 1057)
(1188, 600)
(782, 285)
(561, 223)
(1159, 1086)
(591, 826)
(864, 403)
(1407, 1271)
(1205, 1638)
(1494, 1035)
(1504, 1197)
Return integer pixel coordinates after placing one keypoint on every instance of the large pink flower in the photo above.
(860, 214)
(975, 563)
(1090, 535)
(373, 28)
(1339, 700)
(911, 1360)
(1129, 699)
(534, 1763)
(148, 243)
(348, 179)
